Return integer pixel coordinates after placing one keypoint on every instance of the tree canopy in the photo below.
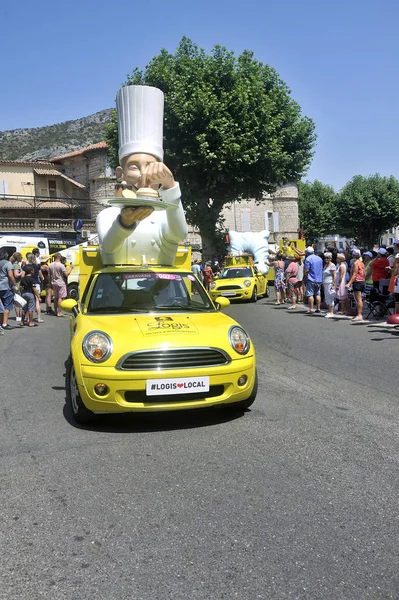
(317, 209)
(368, 206)
(231, 129)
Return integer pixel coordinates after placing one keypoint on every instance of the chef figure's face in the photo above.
(133, 168)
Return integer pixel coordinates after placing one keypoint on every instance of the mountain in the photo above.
(53, 140)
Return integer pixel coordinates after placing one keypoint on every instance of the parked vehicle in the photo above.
(47, 242)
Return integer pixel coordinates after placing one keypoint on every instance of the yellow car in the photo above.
(147, 339)
(240, 282)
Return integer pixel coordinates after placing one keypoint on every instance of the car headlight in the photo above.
(239, 340)
(212, 286)
(247, 283)
(97, 346)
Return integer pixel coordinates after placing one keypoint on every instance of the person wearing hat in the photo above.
(341, 291)
(357, 282)
(378, 267)
(367, 258)
(128, 233)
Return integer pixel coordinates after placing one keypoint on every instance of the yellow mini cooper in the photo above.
(149, 338)
(240, 280)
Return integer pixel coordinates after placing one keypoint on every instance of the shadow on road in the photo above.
(150, 422)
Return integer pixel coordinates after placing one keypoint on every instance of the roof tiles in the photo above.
(99, 146)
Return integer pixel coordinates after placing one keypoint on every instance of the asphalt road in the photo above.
(296, 498)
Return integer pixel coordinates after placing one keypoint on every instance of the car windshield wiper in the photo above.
(117, 309)
(183, 307)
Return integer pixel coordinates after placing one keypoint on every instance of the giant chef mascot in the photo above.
(145, 221)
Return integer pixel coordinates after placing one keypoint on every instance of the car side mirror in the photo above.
(70, 306)
(222, 302)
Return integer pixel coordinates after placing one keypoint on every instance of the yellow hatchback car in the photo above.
(240, 281)
(147, 339)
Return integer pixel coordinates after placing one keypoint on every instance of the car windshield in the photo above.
(236, 272)
(147, 291)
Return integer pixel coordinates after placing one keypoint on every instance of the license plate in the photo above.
(228, 294)
(180, 385)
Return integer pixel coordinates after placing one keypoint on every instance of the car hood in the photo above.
(135, 332)
(234, 281)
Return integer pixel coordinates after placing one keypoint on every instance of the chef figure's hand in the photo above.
(157, 173)
(131, 214)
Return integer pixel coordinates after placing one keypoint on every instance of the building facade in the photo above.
(277, 213)
(73, 183)
(32, 193)
(90, 167)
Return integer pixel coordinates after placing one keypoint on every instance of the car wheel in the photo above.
(81, 414)
(249, 401)
(254, 296)
(73, 291)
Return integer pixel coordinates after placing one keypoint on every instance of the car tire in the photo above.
(81, 414)
(254, 296)
(244, 404)
(73, 291)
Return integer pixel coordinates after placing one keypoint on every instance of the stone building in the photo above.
(90, 167)
(85, 175)
(33, 194)
(277, 213)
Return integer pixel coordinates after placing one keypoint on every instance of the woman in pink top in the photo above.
(291, 278)
(358, 283)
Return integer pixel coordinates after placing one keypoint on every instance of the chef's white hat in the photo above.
(140, 120)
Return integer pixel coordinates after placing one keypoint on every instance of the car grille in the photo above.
(177, 358)
(228, 287)
(140, 396)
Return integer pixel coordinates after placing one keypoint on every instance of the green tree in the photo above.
(111, 135)
(232, 130)
(368, 206)
(317, 209)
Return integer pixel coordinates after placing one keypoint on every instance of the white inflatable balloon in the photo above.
(255, 243)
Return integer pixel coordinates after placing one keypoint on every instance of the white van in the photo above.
(48, 243)
(23, 243)
(63, 242)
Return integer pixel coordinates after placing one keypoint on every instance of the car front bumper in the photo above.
(127, 389)
(242, 294)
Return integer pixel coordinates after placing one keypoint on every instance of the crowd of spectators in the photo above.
(25, 282)
(335, 278)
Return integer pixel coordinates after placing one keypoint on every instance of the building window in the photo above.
(246, 214)
(3, 187)
(276, 223)
(109, 171)
(52, 188)
(269, 221)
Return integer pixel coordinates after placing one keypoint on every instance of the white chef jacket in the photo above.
(154, 240)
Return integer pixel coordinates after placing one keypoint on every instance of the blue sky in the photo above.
(62, 61)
